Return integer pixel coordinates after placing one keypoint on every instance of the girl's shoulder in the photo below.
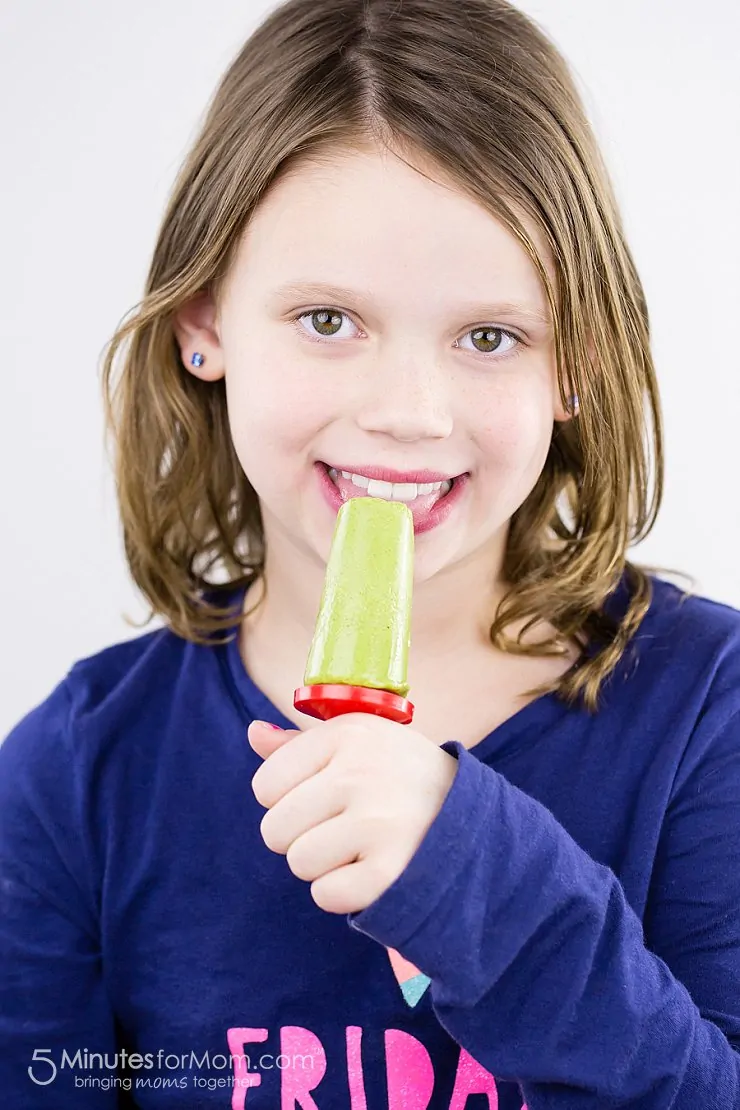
(129, 669)
(687, 645)
(673, 609)
(102, 695)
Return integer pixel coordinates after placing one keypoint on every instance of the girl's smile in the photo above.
(431, 503)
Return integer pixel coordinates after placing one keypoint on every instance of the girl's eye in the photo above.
(492, 339)
(327, 322)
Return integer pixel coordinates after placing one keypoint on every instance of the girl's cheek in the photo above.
(515, 436)
(507, 422)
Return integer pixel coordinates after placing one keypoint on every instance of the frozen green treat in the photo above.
(363, 629)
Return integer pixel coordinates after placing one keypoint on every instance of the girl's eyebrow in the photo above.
(328, 292)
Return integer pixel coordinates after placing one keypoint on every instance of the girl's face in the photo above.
(420, 341)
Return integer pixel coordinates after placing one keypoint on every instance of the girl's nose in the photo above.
(407, 401)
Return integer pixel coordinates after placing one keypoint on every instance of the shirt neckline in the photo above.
(536, 716)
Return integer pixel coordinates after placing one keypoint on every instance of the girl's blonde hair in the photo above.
(475, 89)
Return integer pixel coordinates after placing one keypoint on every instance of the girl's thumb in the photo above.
(265, 738)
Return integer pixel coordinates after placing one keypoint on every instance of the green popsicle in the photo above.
(363, 628)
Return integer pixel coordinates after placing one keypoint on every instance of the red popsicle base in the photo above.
(330, 700)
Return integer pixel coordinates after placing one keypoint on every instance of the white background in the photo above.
(100, 103)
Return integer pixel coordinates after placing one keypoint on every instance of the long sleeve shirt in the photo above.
(566, 936)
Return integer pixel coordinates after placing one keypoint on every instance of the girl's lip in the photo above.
(437, 516)
(398, 477)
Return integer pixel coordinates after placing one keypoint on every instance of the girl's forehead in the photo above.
(370, 216)
(385, 188)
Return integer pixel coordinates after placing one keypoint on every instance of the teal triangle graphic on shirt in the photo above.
(412, 982)
(413, 989)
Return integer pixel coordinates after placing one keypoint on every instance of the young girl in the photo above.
(392, 266)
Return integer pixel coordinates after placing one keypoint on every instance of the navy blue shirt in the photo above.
(567, 935)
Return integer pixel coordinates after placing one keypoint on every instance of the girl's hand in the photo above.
(349, 801)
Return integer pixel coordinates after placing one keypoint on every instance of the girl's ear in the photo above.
(563, 414)
(194, 325)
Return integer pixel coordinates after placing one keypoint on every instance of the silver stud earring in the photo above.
(574, 404)
(197, 359)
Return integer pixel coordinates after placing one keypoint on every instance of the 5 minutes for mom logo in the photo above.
(43, 1070)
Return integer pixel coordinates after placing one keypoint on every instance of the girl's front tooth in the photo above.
(406, 491)
(379, 489)
(358, 480)
(426, 487)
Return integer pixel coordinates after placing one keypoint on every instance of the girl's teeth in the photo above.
(392, 491)
(379, 489)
